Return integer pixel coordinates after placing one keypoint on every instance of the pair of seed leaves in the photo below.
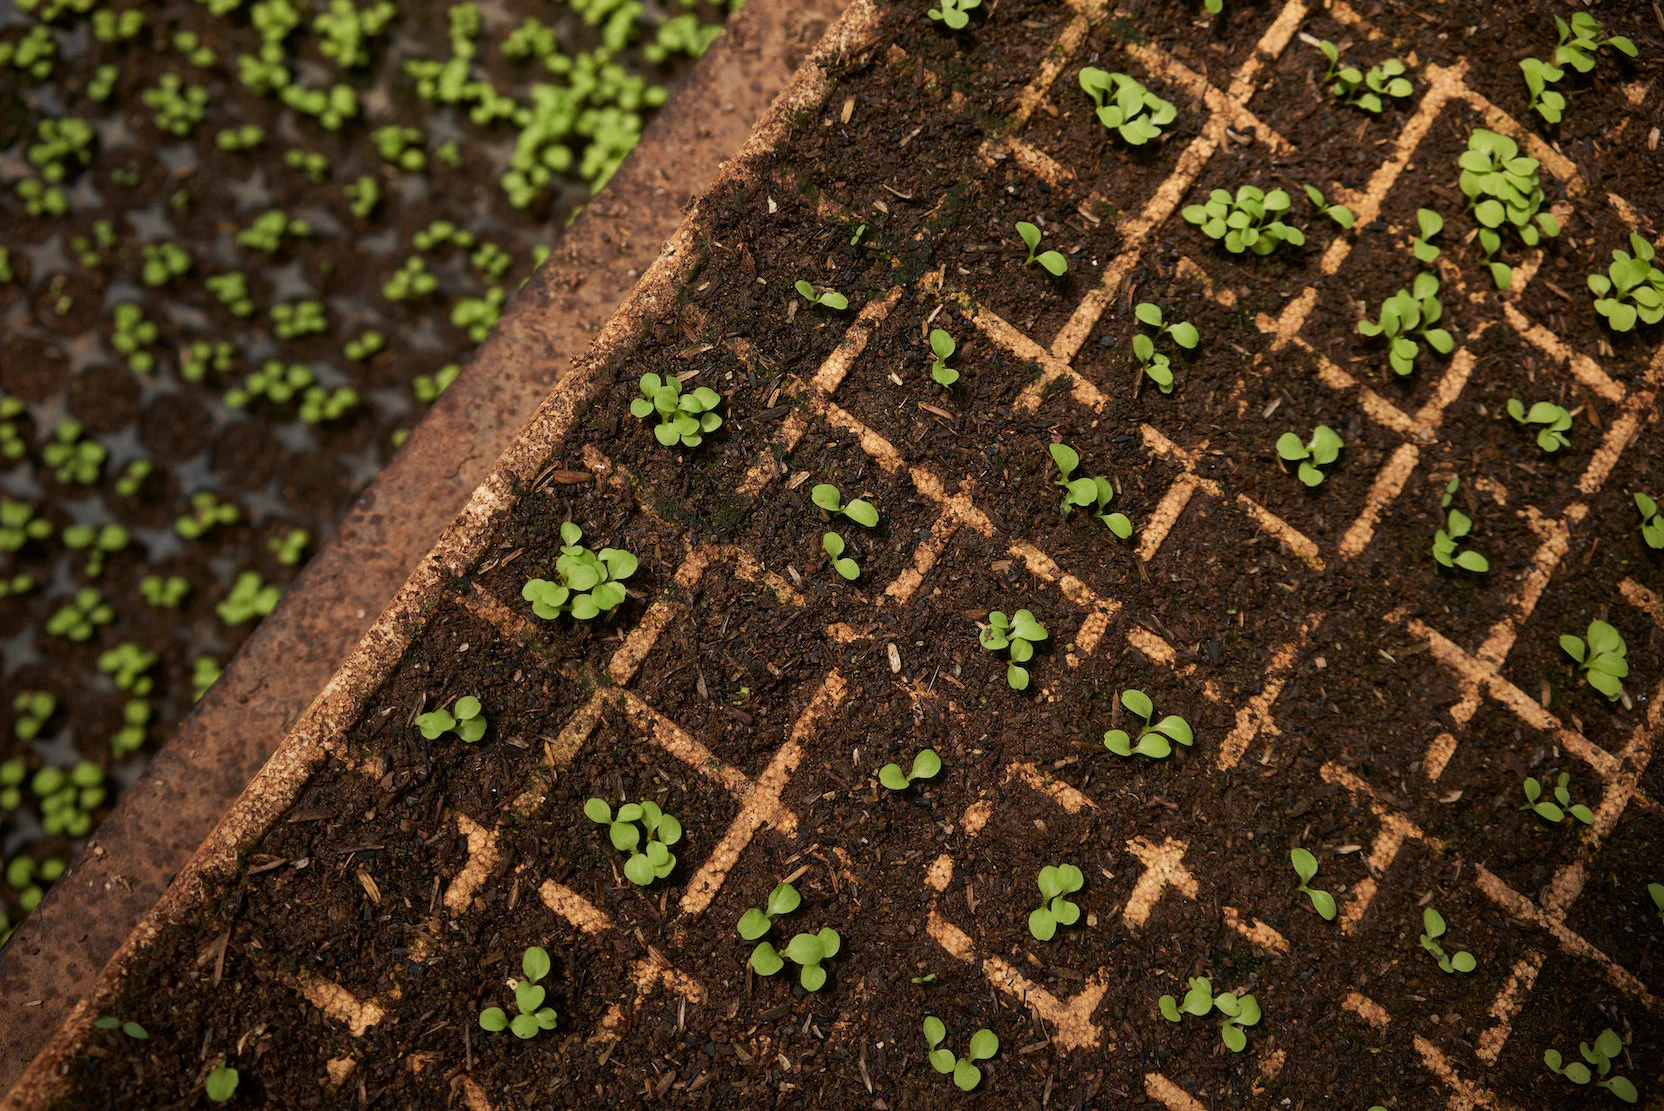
(1305, 866)
(1555, 811)
(1155, 741)
(755, 922)
(1457, 525)
(464, 717)
(926, 765)
(1092, 494)
(1554, 422)
(655, 861)
(1433, 927)
(1056, 882)
(966, 1076)
(1053, 261)
(1321, 450)
(528, 1000)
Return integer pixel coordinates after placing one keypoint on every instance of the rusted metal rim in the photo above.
(108, 901)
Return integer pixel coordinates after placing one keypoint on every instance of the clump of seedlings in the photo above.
(128, 664)
(266, 233)
(1320, 451)
(826, 495)
(1600, 658)
(1433, 928)
(533, 1016)
(1552, 422)
(200, 356)
(1016, 636)
(250, 597)
(650, 858)
(1562, 805)
(591, 583)
(1652, 525)
(465, 719)
(1503, 191)
(757, 921)
(1091, 494)
(27, 876)
(1155, 741)
(1157, 366)
(952, 13)
(684, 418)
(942, 348)
(163, 262)
(1429, 223)
(1250, 221)
(1057, 882)
(78, 617)
(133, 335)
(1608, 1046)
(926, 765)
(966, 1076)
(821, 295)
(1339, 213)
(73, 458)
(1305, 867)
(805, 950)
(1457, 526)
(1126, 107)
(164, 592)
(1579, 42)
(1052, 262)
(1237, 1011)
(1358, 89)
(232, 291)
(1410, 313)
(207, 513)
(67, 799)
(1631, 278)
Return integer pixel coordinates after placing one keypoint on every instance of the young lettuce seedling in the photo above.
(534, 1017)
(1580, 41)
(1321, 450)
(757, 921)
(1250, 221)
(1056, 882)
(464, 719)
(1502, 188)
(1555, 811)
(1408, 313)
(1305, 866)
(807, 951)
(1432, 924)
(833, 545)
(1553, 420)
(828, 498)
(952, 12)
(1126, 107)
(1155, 741)
(1457, 526)
(1630, 278)
(926, 765)
(131, 1029)
(1157, 367)
(1183, 332)
(1339, 213)
(1238, 1011)
(1430, 223)
(966, 1076)
(1092, 494)
(591, 583)
(1539, 75)
(1652, 525)
(1018, 633)
(831, 298)
(1601, 659)
(685, 418)
(942, 348)
(1364, 90)
(1607, 1047)
(221, 1084)
(654, 861)
(1052, 262)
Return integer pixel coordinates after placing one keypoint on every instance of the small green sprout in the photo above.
(32, 54)
(190, 44)
(450, 153)
(942, 347)
(164, 593)
(952, 12)
(1430, 223)
(533, 1016)
(478, 315)
(1580, 41)
(410, 280)
(440, 233)
(1630, 278)
(196, 359)
(1539, 75)
(266, 233)
(128, 665)
(828, 498)
(806, 950)
(491, 262)
(12, 443)
(1320, 451)
(163, 262)
(1052, 262)
(1305, 867)
(926, 765)
(246, 137)
(1554, 420)
(207, 513)
(1555, 811)
(311, 163)
(274, 382)
(1601, 659)
(1250, 221)
(757, 921)
(111, 1022)
(331, 107)
(1155, 741)
(966, 1076)
(1433, 927)
(1656, 891)
(303, 318)
(249, 598)
(135, 717)
(80, 615)
(833, 545)
(464, 719)
(34, 709)
(1457, 526)
(1126, 107)
(861, 229)
(19, 525)
(1607, 1046)
(179, 107)
(684, 418)
(591, 583)
(928, 978)
(1092, 494)
(428, 387)
(1339, 213)
(363, 194)
(205, 672)
(1364, 90)
(109, 26)
(346, 31)
(97, 542)
(134, 333)
(289, 546)
(1502, 188)
(1018, 633)
(232, 291)
(68, 799)
(1408, 313)
(1056, 882)
(1652, 525)
(29, 877)
(1238, 1011)
(831, 298)
(654, 861)
(1157, 366)
(365, 346)
(402, 146)
(12, 773)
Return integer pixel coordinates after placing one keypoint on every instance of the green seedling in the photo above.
(17, 585)
(90, 251)
(428, 387)
(650, 858)
(805, 950)
(83, 613)
(289, 546)
(250, 598)
(12, 444)
(1017, 636)
(363, 194)
(134, 333)
(1056, 883)
(1156, 365)
(30, 878)
(1502, 190)
(491, 262)
(1320, 451)
(131, 1029)
(1305, 867)
(32, 54)
(62, 142)
(34, 709)
(591, 583)
(274, 382)
(1430, 223)
(409, 281)
(1631, 278)
(311, 163)
(1052, 262)
(19, 525)
(12, 774)
(402, 146)
(1457, 526)
(205, 672)
(135, 717)
(128, 665)
(966, 1076)
(97, 542)
(942, 348)
(266, 233)
(319, 405)
(68, 799)
(533, 1016)
(1553, 422)
(1155, 741)
(1092, 494)
(1357, 89)
(1433, 928)
(7, 273)
(926, 765)
(1126, 107)
(1607, 1047)
(855, 236)
(303, 318)
(164, 593)
(831, 298)
(757, 921)
(1652, 525)
(109, 26)
(221, 1084)
(190, 44)
(828, 498)
(231, 290)
(1600, 658)
(478, 315)
(1562, 805)
(246, 137)
(331, 107)
(1581, 40)
(42, 200)
(198, 358)
(1238, 1011)
(952, 13)
(345, 31)
(1250, 221)
(1339, 213)
(207, 513)
(179, 107)
(1410, 313)
(833, 545)
(684, 418)
(464, 719)
(450, 153)
(1539, 75)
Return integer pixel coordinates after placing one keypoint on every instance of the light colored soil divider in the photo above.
(1182, 868)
